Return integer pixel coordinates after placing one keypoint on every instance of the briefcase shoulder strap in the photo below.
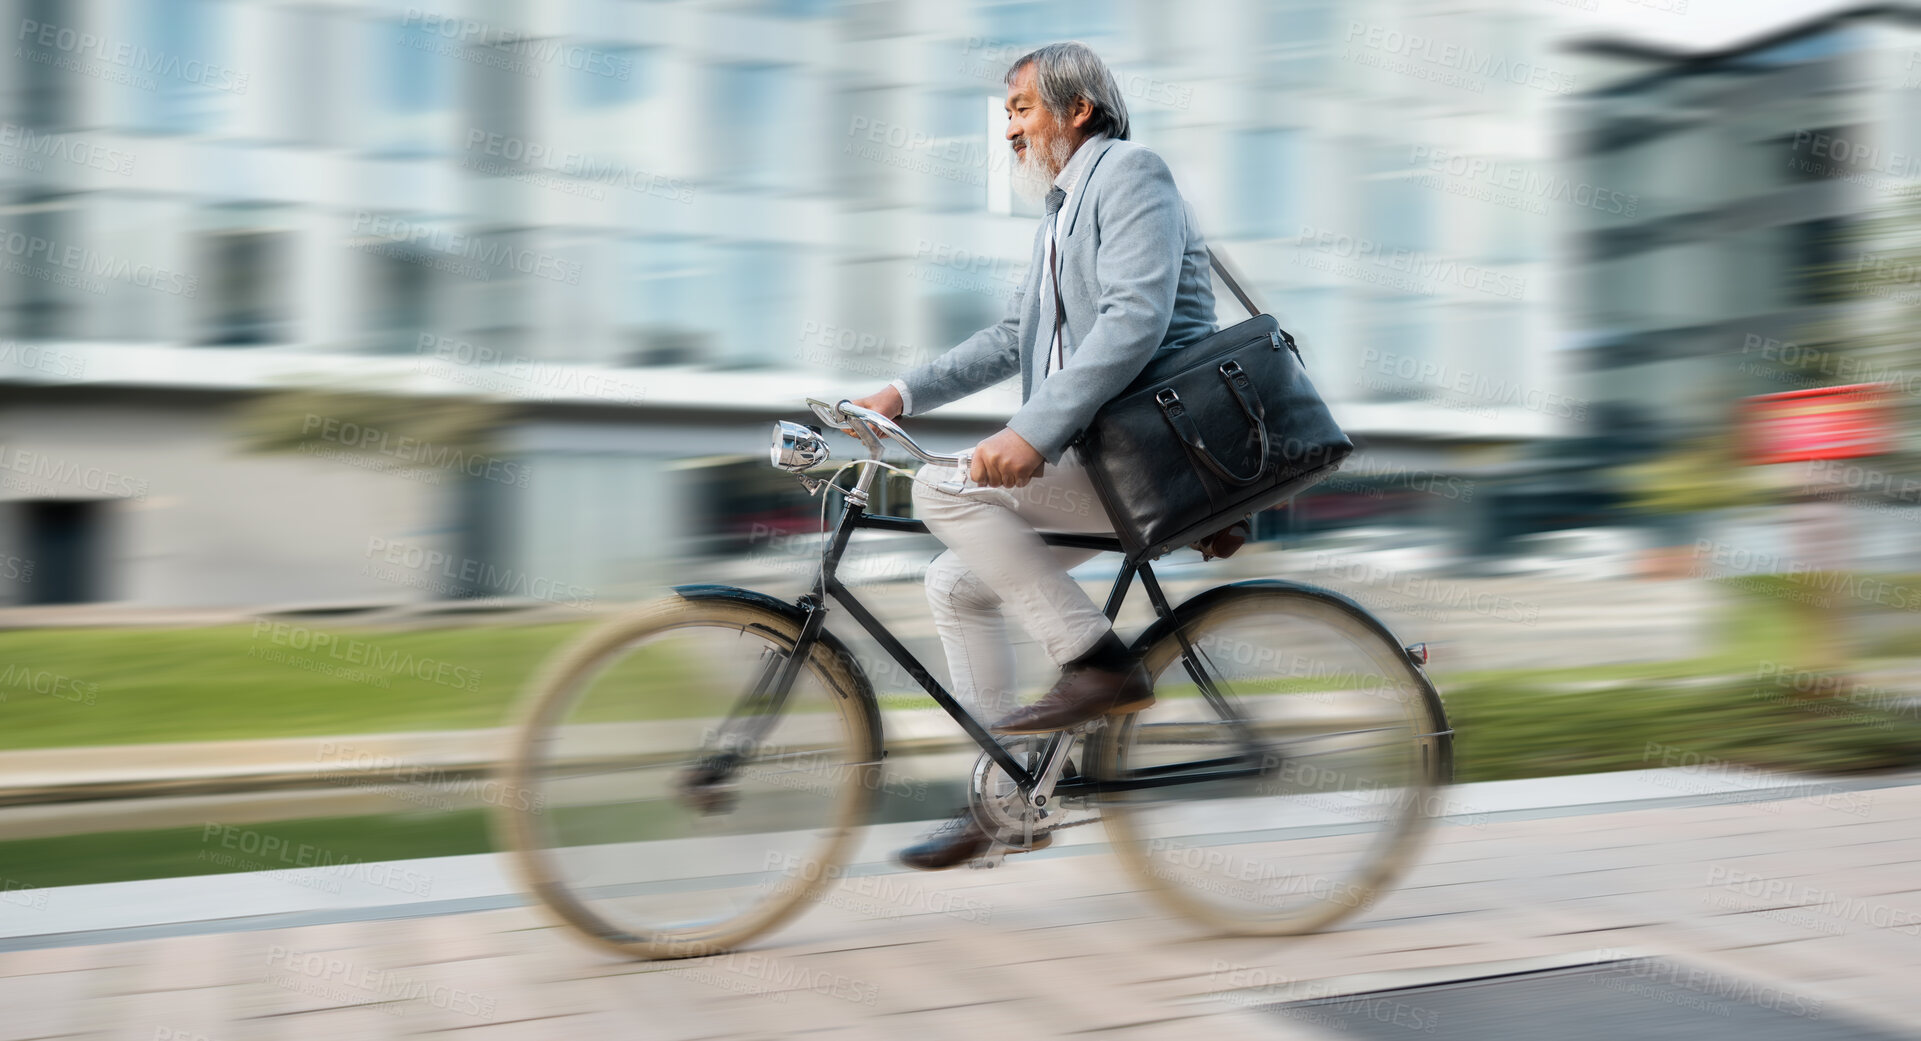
(1225, 268)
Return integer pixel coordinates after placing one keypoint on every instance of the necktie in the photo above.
(1055, 197)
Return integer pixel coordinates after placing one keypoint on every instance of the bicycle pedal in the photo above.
(988, 860)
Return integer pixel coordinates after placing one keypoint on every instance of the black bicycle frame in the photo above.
(855, 516)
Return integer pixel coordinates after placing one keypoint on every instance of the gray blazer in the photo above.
(1134, 281)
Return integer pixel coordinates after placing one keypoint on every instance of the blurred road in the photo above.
(1806, 903)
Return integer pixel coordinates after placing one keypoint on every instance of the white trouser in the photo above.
(995, 556)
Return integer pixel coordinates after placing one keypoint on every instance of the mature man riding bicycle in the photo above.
(1119, 272)
(1261, 756)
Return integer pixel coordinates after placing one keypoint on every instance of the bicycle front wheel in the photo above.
(667, 803)
(1283, 775)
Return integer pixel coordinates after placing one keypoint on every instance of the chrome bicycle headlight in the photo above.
(796, 448)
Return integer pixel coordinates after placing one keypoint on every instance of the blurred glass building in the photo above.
(632, 232)
(1765, 248)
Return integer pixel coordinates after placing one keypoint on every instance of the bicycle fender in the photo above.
(1187, 609)
(1208, 598)
(832, 643)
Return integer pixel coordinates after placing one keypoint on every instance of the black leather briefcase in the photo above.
(1210, 433)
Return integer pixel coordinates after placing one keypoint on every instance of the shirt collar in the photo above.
(1070, 174)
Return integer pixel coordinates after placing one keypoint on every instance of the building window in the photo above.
(47, 91)
(399, 287)
(248, 294)
(1268, 187)
(192, 79)
(43, 301)
(667, 302)
(754, 103)
(1817, 250)
(601, 76)
(1401, 362)
(1396, 206)
(1295, 51)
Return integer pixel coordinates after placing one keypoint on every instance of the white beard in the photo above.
(1032, 178)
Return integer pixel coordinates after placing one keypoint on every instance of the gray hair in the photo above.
(1069, 71)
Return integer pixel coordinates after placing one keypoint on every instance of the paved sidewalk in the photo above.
(1811, 903)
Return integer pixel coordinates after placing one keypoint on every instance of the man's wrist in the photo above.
(906, 399)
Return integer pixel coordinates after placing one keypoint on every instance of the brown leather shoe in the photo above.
(1082, 694)
(959, 840)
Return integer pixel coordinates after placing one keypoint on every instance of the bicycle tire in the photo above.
(560, 687)
(1427, 756)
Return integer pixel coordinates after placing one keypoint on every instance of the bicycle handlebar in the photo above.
(870, 426)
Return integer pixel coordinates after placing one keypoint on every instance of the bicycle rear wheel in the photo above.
(1295, 790)
(665, 808)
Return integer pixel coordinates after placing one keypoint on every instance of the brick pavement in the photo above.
(1814, 898)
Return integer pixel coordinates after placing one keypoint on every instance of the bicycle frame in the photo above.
(770, 690)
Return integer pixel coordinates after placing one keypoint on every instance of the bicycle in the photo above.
(696, 771)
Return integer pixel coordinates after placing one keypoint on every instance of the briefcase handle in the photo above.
(1175, 412)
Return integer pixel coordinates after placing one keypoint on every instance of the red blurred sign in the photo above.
(1822, 423)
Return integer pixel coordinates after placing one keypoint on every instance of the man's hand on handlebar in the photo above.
(885, 401)
(1005, 460)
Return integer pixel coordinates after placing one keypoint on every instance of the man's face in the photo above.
(1029, 125)
(1042, 141)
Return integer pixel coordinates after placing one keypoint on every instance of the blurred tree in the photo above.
(406, 432)
(1698, 475)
